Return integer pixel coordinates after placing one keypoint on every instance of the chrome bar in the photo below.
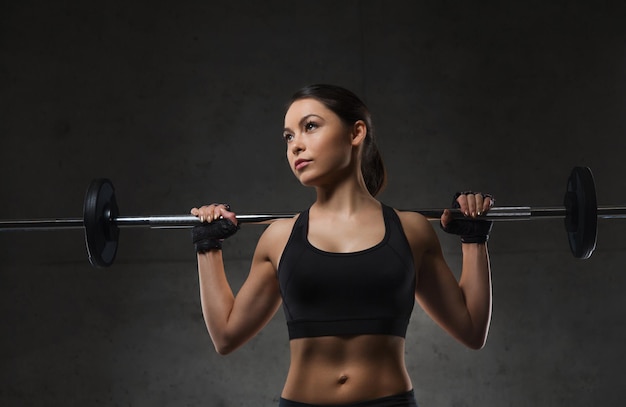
(40, 224)
(504, 213)
(498, 213)
(188, 221)
(548, 213)
(612, 212)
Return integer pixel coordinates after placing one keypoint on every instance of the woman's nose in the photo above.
(297, 145)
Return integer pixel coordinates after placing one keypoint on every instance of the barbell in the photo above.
(102, 220)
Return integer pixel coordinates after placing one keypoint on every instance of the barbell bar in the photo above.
(504, 213)
(102, 221)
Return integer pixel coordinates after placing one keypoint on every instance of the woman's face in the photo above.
(319, 145)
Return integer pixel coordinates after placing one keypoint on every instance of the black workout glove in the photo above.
(470, 230)
(209, 236)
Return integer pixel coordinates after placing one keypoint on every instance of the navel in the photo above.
(342, 379)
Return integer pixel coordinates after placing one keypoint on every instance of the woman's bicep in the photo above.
(437, 290)
(259, 297)
(256, 302)
(438, 293)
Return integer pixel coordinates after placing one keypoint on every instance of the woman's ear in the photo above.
(359, 131)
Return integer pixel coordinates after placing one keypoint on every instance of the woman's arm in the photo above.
(462, 308)
(233, 320)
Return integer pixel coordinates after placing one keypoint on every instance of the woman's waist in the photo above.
(336, 370)
(346, 384)
(352, 349)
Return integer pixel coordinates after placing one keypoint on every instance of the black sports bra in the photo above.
(371, 291)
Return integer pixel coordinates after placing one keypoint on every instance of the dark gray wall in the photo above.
(182, 104)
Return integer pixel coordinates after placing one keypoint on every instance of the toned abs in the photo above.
(333, 369)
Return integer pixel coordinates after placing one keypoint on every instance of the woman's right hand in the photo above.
(209, 213)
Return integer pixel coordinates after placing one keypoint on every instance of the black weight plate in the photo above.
(101, 233)
(581, 220)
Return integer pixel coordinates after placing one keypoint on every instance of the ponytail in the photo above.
(372, 167)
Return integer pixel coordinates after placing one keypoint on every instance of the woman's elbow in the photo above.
(223, 345)
(476, 345)
(224, 350)
(476, 342)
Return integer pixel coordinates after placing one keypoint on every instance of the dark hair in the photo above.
(350, 109)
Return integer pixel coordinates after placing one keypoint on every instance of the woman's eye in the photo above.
(288, 137)
(310, 126)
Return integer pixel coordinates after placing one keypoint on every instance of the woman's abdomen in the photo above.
(339, 370)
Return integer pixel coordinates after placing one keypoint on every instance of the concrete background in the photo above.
(182, 103)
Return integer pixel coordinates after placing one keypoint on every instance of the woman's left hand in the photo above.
(472, 205)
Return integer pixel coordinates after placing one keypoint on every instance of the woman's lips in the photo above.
(300, 164)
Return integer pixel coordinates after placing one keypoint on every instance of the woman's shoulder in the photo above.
(274, 239)
(278, 231)
(417, 227)
(412, 218)
(281, 226)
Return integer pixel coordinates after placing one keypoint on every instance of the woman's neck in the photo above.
(345, 197)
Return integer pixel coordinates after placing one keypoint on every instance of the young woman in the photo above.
(348, 269)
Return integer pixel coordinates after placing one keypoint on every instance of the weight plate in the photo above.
(581, 219)
(101, 233)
